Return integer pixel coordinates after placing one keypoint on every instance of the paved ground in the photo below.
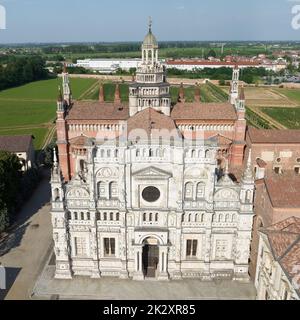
(114, 289)
(25, 250)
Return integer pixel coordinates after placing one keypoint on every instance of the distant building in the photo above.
(278, 271)
(192, 64)
(108, 65)
(22, 147)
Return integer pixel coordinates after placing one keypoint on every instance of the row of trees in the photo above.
(21, 70)
(15, 187)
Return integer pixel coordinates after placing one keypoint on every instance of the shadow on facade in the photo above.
(11, 276)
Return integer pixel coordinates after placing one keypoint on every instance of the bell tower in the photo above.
(150, 88)
(234, 93)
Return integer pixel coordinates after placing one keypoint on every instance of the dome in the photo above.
(150, 40)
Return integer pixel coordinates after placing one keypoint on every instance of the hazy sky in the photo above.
(126, 20)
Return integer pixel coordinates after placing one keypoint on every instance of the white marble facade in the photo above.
(135, 207)
(201, 225)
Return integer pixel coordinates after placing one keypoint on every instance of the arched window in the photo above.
(200, 190)
(82, 215)
(189, 190)
(118, 216)
(88, 216)
(82, 165)
(190, 217)
(156, 217)
(56, 195)
(249, 196)
(111, 216)
(98, 216)
(214, 218)
(105, 216)
(182, 218)
(193, 153)
(207, 154)
(101, 190)
(150, 216)
(75, 216)
(227, 219)
(113, 190)
(108, 153)
(144, 217)
(102, 153)
(116, 153)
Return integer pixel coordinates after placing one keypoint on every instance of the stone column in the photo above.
(138, 274)
(163, 263)
(96, 274)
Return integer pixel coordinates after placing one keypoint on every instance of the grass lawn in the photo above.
(289, 117)
(33, 105)
(208, 94)
(18, 113)
(38, 133)
(292, 94)
(46, 89)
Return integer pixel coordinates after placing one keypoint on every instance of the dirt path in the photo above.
(24, 250)
(275, 123)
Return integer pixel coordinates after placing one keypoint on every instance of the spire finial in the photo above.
(55, 163)
(150, 24)
(59, 98)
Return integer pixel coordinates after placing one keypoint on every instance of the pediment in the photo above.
(152, 173)
(221, 140)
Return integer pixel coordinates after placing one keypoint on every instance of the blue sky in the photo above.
(126, 20)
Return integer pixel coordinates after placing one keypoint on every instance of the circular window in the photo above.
(151, 194)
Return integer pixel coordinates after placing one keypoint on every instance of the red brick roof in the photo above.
(95, 110)
(150, 120)
(204, 111)
(283, 190)
(212, 63)
(273, 136)
(284, 239)
(15, 143)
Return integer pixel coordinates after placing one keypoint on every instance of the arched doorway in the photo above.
(150, 257)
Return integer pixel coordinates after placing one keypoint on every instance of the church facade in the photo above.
(146, 189)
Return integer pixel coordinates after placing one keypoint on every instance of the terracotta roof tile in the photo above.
(96, 110)
(204, 111)
(283, 190)
(150, 120)
(15, 143)
(284, 239)
(273, 136)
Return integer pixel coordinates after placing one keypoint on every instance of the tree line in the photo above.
(15, 187)
(21, 70)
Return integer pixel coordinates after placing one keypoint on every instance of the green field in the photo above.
(209, 93)
(30, 109)
(292, 94)
(289, 117)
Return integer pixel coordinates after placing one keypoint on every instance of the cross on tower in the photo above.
(150, 23)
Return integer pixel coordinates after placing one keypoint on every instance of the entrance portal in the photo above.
(150, 258)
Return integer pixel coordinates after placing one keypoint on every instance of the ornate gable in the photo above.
(152, 173)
